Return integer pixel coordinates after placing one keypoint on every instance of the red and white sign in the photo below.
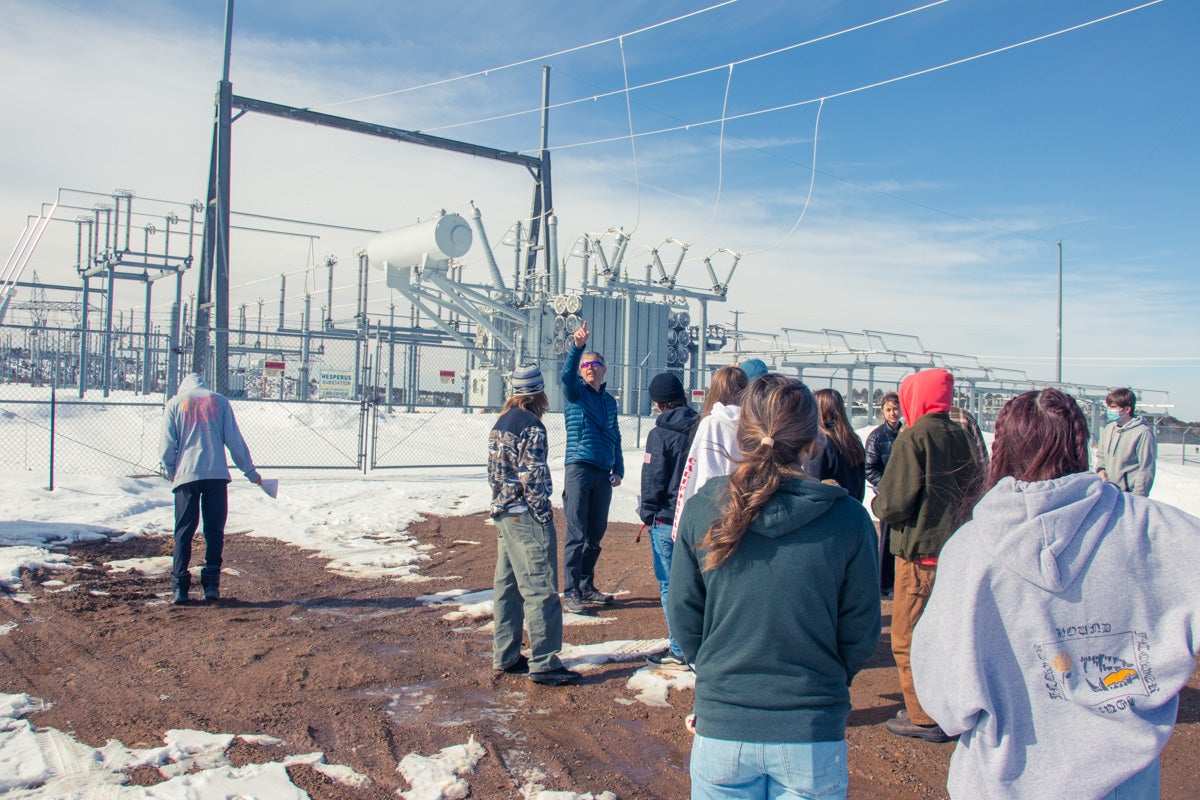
(698, 395)
(447, 376)
(274, 369)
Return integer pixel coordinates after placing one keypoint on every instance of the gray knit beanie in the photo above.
(527, 379)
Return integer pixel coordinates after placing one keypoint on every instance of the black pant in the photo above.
(586, 497)
(208, 499)
(887, 561)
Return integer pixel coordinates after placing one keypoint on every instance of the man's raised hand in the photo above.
(581, 334)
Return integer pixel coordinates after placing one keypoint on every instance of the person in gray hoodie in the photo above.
(1063, 623)
(198, 425)
(773, 600)
(1127, 450)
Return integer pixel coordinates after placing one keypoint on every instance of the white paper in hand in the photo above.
(270, 486)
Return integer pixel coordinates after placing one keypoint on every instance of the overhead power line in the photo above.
(525, 61)
(695, 73)
(863, 88)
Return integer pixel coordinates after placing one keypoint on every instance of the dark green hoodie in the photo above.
(778, 631)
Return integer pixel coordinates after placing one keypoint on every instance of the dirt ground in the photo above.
(362, 671)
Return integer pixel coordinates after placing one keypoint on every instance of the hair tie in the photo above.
(768, 441)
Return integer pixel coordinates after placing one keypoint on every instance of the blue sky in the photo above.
(936, 204)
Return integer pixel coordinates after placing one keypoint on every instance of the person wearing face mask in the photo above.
(1127, 450)
(593, 467)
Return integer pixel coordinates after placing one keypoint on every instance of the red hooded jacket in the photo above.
(929, 391)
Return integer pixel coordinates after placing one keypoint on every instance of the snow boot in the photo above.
(210, 580)
(179, 589)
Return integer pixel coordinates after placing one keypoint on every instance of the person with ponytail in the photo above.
(1063, 624)
(773, 601)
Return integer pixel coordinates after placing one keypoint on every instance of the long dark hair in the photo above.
(1039, 435)
(727, 386)
(780, 409)
(837, 427)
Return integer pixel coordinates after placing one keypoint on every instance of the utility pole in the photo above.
(214, 265)
(737, 338)
(1058, 359)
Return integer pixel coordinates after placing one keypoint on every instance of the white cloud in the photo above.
(122, 96)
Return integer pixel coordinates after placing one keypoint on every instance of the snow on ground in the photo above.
(47, 763)
(358, 521)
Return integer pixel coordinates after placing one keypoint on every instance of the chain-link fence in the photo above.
(448, 437)
(1176, 442)
(46, 430)
(323, 399)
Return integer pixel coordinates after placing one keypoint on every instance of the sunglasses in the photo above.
(592, 364)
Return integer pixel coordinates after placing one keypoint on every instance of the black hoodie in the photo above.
(662, 466)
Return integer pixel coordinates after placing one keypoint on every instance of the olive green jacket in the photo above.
(932, 468)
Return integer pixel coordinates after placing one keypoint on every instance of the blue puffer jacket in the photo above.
(593, 433)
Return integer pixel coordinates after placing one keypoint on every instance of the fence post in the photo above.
(53, 414)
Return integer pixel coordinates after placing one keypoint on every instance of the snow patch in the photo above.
(46, 764)
(438, 777)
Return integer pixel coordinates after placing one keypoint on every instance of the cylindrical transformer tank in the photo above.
(441, 238)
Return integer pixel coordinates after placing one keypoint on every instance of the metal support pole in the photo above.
(53, 418)
(302, 388)
(330, 262)
(214, 265)
(108, 329)
(488, 255)
(1058, 359)
(587, 247)
(541, 191)
(627, 368)
(360, 345)
(360, 312)
(147, 366)
(518, 287)
(871, 393)
(391, 387)
(174, 348)
(83, 339)
(282, 294)
(552, 254)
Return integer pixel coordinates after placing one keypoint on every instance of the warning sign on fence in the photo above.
(447, 376)
(273, 369)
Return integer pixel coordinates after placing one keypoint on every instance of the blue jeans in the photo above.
(662, 546)
(724, 770)
(1142, 785)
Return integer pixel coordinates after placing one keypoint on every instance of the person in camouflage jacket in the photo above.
(526, 580)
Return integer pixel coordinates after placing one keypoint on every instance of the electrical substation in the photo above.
(456, 338)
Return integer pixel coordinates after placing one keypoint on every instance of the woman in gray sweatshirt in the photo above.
(1062, 625)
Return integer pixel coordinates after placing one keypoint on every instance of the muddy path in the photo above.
(364, 672)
